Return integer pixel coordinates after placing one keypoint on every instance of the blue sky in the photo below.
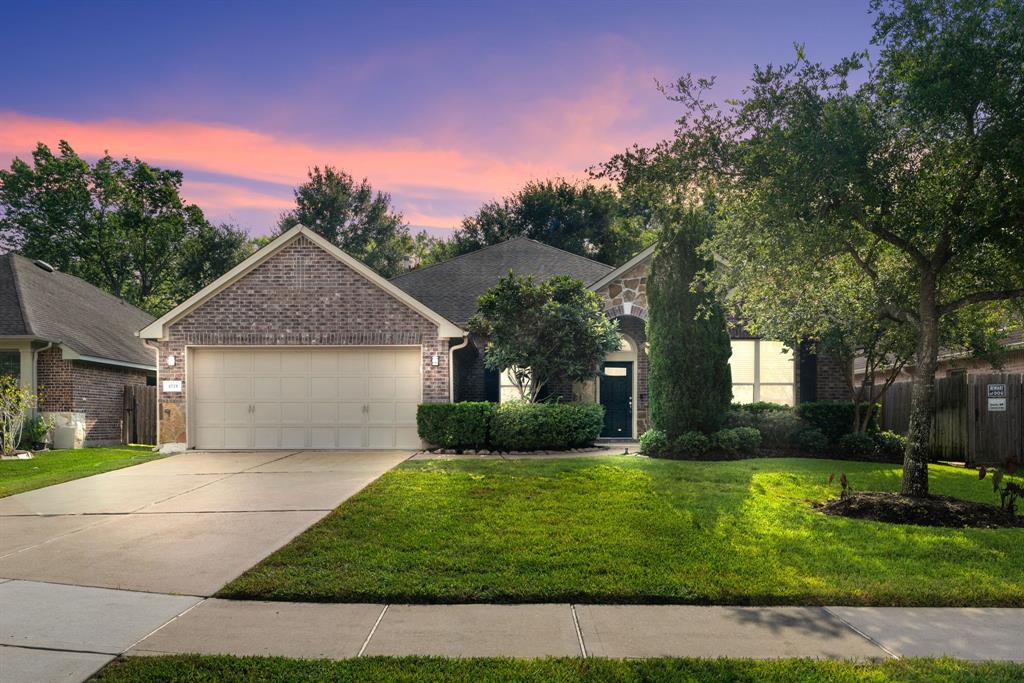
(444, 105)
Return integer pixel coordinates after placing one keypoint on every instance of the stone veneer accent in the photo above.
(299, 296)
(90, 389)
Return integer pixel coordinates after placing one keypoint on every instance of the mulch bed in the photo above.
(931, 511)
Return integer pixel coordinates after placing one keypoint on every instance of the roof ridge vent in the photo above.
(44, 265)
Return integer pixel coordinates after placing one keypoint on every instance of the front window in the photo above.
(10, 364)
(762, 370)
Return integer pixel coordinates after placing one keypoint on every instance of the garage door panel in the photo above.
(323, 388)
(267, 360)
(351, 437)
(408, 388)
(407, 437)
(210, 437)
(324, 363)
(266, 437)
(351, 413)
(208, 363)
(382, 387)
(381, 413)
(294, 437)
(295, 362)
(237, 414)
(405, 413)
(323, 413)
(237, 387)
(351, 363)
(381, 437)
(237, 437)
(266, 413)
(266, 388)
(209, 413)
(294, 387)
(381, 363)
(352, 388)
(407, 363)
(295, 413)
(323, 437)
(237, 361)
(208, 388)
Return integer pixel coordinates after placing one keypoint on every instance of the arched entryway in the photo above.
(616, 390)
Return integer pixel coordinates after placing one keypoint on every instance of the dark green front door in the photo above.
(616, 387)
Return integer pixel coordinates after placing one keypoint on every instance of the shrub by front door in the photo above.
(616, 388)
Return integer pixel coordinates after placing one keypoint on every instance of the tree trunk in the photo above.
(922, 395)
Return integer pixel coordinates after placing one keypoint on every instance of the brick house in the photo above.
(73, 345)
(303, 346)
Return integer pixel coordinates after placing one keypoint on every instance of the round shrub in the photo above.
(737, 440)
(455, 425)
(857, 445)
(519, 426)
(890, 446)
(811, 441)
(779, 429)
(654, 443)
(691, 445)
(740, 418)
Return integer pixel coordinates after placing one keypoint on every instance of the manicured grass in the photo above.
(197, 669)
(54, 467)
(634, 530)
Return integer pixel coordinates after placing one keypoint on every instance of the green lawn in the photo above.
(199, 669)
(634, 530)
(53, 467)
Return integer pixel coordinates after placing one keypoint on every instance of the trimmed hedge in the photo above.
(835, 418)
(514, 426)
(455, 425)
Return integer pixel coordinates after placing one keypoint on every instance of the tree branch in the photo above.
(898, 242)
(981, 297)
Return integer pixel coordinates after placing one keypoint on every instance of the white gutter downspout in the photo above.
(35, 371)
(451, 367)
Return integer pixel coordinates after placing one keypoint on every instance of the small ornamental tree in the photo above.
(690, 381)
(15, 402)
(542, 331)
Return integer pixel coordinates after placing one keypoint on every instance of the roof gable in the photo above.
(452, 287)
(157, 330)
(624, 268)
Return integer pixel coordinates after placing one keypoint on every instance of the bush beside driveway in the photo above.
(634, 530)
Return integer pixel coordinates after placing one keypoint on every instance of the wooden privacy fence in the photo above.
(978, 419)
(139, 422)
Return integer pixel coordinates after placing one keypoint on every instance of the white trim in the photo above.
(156, 329)
(625, 267)
(68, 353)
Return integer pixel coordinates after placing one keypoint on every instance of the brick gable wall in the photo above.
(299, 296)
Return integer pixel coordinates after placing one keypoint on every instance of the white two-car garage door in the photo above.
(304, 398)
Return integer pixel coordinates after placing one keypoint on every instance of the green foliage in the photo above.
(654, 442)
(779, 429)
(580, 218)
(47, 468)
(1008, 488)
(690, 445)
(542, 331)
(689, 380)
(737, 440)
(811, 441)
(512, 426)
(856, 445)
(352, 216)
(761, 407)
(35, 431)
(836, 418)
(119, 224)
(15, 402)
(521, 426)
(455, 425)
(890, 446)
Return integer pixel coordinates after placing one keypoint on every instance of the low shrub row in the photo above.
(816, 429)
(514, 426)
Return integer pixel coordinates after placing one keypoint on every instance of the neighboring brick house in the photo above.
(73, 345)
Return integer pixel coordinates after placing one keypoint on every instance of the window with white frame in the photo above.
(762, 370)
(508, 390)
(10, 364)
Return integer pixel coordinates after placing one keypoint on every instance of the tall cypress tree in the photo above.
(690, 382)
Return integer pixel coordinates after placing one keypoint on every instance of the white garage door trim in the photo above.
(303, 397)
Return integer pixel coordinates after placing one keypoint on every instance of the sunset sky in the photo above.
(445, 105)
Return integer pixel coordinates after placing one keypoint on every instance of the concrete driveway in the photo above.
(186, 524)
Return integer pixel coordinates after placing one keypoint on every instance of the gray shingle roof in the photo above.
(452, 287)
(58, 307)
